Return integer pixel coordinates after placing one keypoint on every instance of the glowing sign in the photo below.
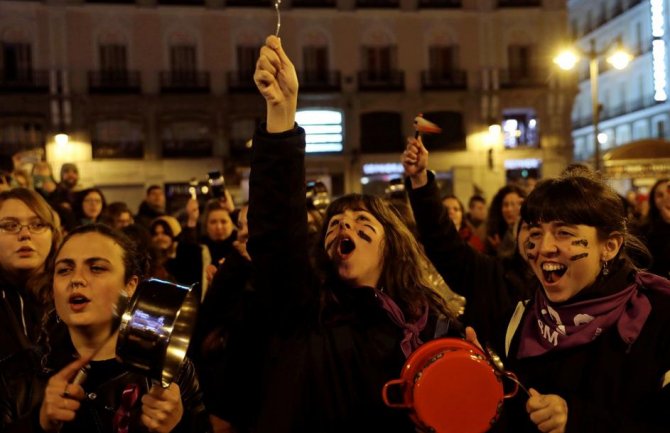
(380, 168)
(323, 130)
(658, 50)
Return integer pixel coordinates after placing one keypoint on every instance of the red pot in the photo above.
(450, 386)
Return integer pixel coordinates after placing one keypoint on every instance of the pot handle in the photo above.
(385, 397)
(511, 376)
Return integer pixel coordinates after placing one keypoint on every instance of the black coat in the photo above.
(23, 378)
(608, 386)
(325, 367)
(20, 316)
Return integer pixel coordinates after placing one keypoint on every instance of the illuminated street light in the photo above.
(618, 58)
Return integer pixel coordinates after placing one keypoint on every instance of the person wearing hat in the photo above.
(66, 191)
(184, 262)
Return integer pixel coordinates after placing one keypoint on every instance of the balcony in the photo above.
(241, 81)
(32, 81)
(519, 3)
(184, 82)
(319, 81)
(377, 3)
(381, 81)
(249, 3)
(110, 82)
(314, 3)
(607, 113)
(438, 4)
(526, 77)
(444, 80)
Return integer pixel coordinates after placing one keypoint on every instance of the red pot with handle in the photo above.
(449, 386)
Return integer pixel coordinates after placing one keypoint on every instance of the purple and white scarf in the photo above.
(549, 326)
(411, 330)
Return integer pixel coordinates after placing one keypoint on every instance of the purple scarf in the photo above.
(550, 327)
(411, 331)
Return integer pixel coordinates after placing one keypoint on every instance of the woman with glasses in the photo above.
(29, 234)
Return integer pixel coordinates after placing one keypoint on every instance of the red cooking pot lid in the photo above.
(450, 387)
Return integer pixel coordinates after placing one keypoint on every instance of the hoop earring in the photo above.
(605, 268)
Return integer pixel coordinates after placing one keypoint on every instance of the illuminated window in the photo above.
(520, 128)
(323, 129)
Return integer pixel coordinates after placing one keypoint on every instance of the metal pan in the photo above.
(156, 329)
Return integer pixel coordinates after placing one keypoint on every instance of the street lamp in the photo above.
(618, 58)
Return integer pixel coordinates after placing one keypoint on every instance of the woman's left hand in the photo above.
(549, 412)
(162, 409)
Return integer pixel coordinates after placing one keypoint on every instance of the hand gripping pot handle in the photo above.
(385, 394)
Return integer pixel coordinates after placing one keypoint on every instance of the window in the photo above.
(16, 61)
(452, 136)
(381, 132)
(187, 138)
(242, 130)
(379, 62)
(315, 61)
(443, 60)
(246, 58)
(113, 58)
(520, 58)
(20, 134)
(323, 129)
(183, 59)
(520, 128)
(117, 138)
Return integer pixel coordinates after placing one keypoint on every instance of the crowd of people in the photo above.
(307, 311)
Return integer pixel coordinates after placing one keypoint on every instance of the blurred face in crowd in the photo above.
(662, 200)
(124, 219)
(511, 207)
(354, 243)
(156, 198)
(478, 211)
(27, 250)
(89, 277)
(219, 225)
(160, 238)
(92, 205)
(454, 210)
(70, 177)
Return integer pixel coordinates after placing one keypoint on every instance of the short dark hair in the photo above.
(476, 198)
(153, 187)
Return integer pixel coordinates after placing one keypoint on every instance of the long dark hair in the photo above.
(404, 277)
(495, 223)
(579, 199)
(654, 215)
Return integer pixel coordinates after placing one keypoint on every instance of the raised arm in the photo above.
(277, 208)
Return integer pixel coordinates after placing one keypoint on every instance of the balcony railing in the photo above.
(447, 80)
(381, 81)
(114, 82)
(427, 4)
(314, 3)
(320, 81)
(617, 110)
(249, 3)
(241, 81)
(184, 82)
(528, 77)
(36, 81)
(519, 3)
(377, 3)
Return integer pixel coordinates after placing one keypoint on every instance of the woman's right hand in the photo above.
(62, 398)
(549, 412)
(277, 81)
(415, 162)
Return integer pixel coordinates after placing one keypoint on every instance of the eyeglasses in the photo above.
(14, 227)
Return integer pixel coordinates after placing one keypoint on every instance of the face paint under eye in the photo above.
(528, 245)
(579, 257)
(364, 236)
(582, 242)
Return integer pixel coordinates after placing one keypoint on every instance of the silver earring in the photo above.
(606, 270)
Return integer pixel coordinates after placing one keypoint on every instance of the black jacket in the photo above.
(608, 385)
(23, 378)
(20, 315)
(325, 367)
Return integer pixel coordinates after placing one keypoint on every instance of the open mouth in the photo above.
(78, 299)
(552, 272)
(346, 246)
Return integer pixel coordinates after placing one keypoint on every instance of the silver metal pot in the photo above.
(156, 329)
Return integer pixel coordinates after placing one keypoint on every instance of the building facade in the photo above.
(633, 102)
(160, 91)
